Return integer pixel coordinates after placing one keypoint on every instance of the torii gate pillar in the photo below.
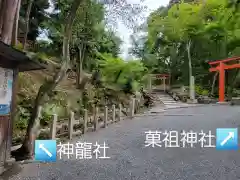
(221, 83)
(221, 67)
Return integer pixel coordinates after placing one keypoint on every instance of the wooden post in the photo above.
(132, 107)
(137, 105)
(12, 113)
(85, 121)
(119, 112)
(150, 83)
(169, 82)
(105, 116)
(70, 125)
(113, 113)
(53, 129)
(96, 119)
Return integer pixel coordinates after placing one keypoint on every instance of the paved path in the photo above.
(131, 160)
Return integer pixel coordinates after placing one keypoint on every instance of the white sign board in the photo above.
(6, 81)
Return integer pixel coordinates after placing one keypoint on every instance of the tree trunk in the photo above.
(189, 66)
(213, 84)
(81, 51)
(8, 20)
(26, 149)
(231, 85)
(30, 3)
(2, 3)
(77, 70)
(189, 58)
(81, 56)
(15, 29)
(2, 13)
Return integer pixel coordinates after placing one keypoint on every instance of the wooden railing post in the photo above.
(105, 116)
(132, 107)
(96, 119)
(119, 112)
(70, 125)
(53, 129)
(113, 113)
(149, 83)
(85, 121)
(136, 106)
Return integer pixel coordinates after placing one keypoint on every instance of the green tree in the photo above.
(33, 13)
(26, 149)
(195, 32)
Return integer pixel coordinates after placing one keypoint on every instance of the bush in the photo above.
(48, 111)
(22, 117)
(205, 92)
(45, 119)
(21, 123)
(19, 46)
(199, 90)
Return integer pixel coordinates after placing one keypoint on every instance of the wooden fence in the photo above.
(74, 127)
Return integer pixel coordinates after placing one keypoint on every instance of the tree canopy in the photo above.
(211, 27)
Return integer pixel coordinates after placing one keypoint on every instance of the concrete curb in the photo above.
(198, 105)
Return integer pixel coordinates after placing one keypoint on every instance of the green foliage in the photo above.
(111, 66)
(21, 121)
(46, 118)
(212, 27)
(91, 43)
(108, 42)
(37, 17)
(89, 34)
(19, 46)
(201, 91)
(205, 92)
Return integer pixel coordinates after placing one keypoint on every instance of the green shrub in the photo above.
(198, 89)
(48, 111)
(201, 91)
(46, 118)
(21, 118)
(21, 124)
(205, 92)
(19, 46)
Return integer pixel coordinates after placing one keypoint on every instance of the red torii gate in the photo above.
(221, 67)
(164, 77)
(158, 76)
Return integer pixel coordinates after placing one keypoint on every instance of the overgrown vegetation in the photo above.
(184, 36)
(82, 53)
(78, 54)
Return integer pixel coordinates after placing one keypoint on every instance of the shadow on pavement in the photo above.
(11, 171)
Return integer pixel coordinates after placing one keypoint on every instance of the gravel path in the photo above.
(131, 160)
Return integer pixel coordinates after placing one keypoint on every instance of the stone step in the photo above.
(169, 102)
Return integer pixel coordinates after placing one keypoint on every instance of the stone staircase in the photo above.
(169, 103)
